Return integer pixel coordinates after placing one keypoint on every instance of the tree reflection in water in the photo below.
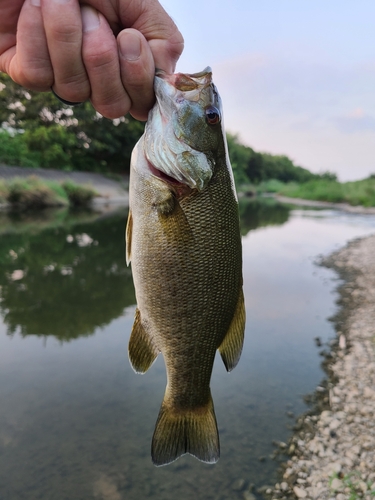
(66, 280)
(66, 276)
(259, 212)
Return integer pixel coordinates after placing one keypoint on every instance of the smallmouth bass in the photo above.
(184, 244)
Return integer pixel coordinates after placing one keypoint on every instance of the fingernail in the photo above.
(36, 3)
(90, 18)
(130, 46)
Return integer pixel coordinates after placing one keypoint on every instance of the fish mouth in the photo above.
(187, 81)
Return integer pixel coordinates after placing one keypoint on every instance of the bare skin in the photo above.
(103, 50)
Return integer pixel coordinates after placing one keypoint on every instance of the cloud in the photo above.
(354, 122)
(315, 112)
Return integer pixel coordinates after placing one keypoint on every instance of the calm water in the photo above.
(76, 422)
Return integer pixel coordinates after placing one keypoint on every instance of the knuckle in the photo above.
(138, 80)
(39, 78)
(109, 107)
(70, 33)
(100, 59)
(74, 90)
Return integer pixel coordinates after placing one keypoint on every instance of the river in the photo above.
(76, 422)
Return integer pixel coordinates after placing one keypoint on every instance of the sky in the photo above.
(297, 77)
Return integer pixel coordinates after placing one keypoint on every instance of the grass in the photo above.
(32, 192)
(353, 485)
(354, 193)
(270, 186)
(78, 195)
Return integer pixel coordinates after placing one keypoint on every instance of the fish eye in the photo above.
(212, 115)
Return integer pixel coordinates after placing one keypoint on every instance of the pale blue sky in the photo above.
(297, 77)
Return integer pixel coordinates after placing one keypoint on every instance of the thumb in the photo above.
(167, 52)
(164, 38)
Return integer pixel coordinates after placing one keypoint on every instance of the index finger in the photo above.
(63, 28)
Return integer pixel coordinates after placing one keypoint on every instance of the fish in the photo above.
(183, 241)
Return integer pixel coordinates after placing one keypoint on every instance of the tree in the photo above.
(60, 136)
(251, 166)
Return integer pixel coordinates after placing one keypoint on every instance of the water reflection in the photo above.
(260, 212)
(65, 280)
(64, 275)
(76, 422)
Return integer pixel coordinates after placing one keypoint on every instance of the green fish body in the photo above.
(183, 240)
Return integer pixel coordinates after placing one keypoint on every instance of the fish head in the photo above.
(194, 105)
(184, 129)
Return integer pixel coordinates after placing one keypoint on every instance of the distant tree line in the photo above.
(253, 167)
(37, 130)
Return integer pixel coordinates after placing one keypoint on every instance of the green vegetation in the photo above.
(259, 173)
(353, 485)
(32, 192)
(78, 195)
(39, 131)
(355, 193)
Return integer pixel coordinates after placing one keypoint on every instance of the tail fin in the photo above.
(194, 431)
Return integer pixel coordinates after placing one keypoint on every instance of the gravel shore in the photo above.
(332, 452)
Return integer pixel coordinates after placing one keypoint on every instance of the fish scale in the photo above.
(184, 244)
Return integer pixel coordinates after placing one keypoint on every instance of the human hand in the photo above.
(103, 51)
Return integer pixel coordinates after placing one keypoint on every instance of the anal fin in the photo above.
(231, 347)
(142, 351)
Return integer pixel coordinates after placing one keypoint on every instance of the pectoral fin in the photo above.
(128, 237)
(142, 351)
(231, 347)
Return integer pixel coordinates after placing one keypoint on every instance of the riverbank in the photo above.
(332, 453)
(114, 191)
(361, 192)
(110, 191)
(354, 209)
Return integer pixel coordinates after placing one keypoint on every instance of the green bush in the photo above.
(331, 191)
(270, 186)
(14, 151)
(78, 195)
(355, 193)
(32, 192)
